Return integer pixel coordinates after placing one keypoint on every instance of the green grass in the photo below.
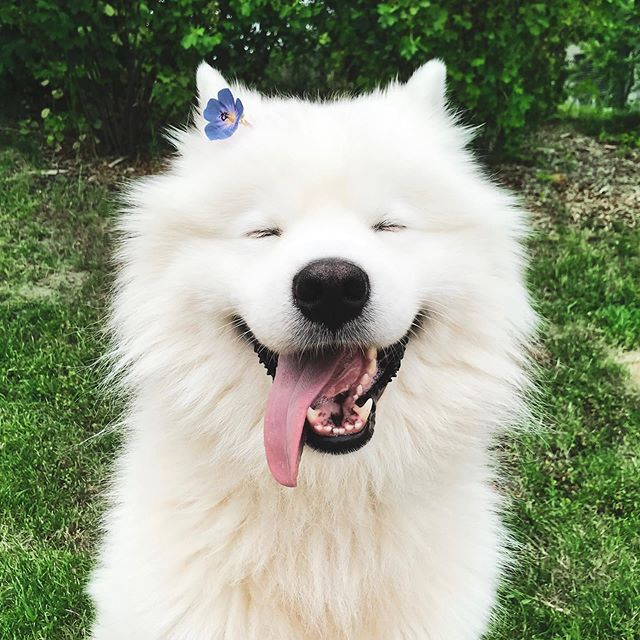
(608, 124)
(576, 509)
(52, 239)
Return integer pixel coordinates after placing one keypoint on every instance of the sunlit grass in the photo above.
(575, 487)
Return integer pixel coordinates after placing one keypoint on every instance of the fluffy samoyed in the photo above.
(321, 324)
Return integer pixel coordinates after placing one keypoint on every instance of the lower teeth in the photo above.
(347, 427)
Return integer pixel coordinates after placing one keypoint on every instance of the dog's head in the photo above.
(323, 239)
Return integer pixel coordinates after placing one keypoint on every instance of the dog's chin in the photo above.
(341, 417)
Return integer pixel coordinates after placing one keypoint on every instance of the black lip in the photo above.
(389, 361)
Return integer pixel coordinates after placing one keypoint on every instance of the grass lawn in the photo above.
(576, 486)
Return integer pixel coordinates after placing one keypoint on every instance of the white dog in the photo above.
(302, 273)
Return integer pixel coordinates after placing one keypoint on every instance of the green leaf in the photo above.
(408, 47)
(441, 19)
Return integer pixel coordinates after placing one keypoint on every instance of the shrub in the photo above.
(605, 67)
(117, 71)
(107, 65)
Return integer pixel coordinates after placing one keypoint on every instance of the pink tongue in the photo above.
(296, 386)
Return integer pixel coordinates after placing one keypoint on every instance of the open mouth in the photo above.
(326, 400)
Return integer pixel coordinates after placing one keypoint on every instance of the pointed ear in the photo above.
(428, 84)
(209, 82)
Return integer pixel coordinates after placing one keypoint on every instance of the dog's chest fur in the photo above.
(205, 554)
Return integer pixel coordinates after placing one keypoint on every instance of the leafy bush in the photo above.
(112, 70)
(116, 71)
(605, 67)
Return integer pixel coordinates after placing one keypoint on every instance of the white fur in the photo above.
(400, 540)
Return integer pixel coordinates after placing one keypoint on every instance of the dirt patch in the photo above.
(110, 172)
(577, 180)
(631, 360)
(55, 284)
(67, 279)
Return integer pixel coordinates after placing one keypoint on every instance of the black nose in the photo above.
(331, 291)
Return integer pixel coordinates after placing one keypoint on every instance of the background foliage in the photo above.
(605, 71)
(107, 76)
(114, 73)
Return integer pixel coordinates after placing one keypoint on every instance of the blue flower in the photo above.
(223, 115)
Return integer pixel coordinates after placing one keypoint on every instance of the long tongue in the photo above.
(297, 384)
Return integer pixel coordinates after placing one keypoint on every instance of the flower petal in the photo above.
(219, 130)
(239, 108)
(212, 110)
(226, 100)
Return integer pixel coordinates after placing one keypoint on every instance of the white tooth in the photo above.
(326, 428)
(364, 381)
(359, 390)
(355, 396)
(372, 368)
(313, 416)
(339, 431)
(372, 352)
(349, 426)
(318, 428)
(364, 410)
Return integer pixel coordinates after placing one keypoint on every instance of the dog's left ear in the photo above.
(208, 81)
(429, 84)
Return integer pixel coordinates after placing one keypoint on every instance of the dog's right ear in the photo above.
(429, 84)
(208, 81)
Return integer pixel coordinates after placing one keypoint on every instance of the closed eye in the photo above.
(388, 225)
(265, 233)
